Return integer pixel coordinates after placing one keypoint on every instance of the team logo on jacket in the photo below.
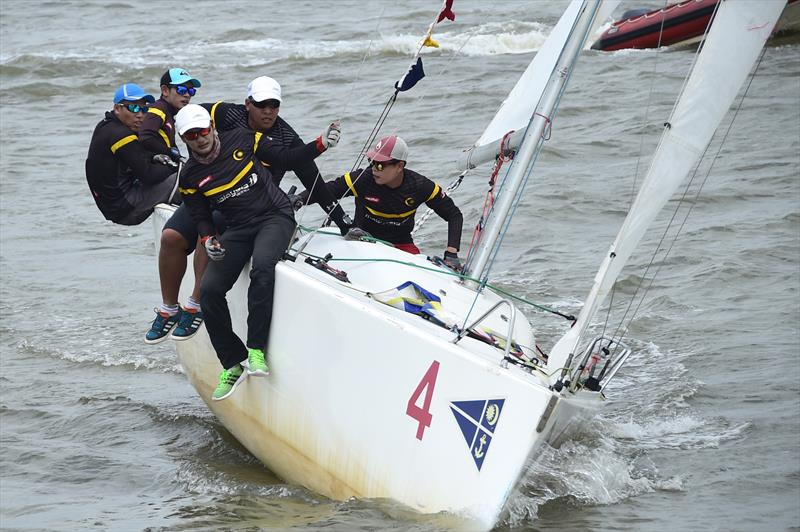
(238, 155)
(373, 199)
(205, 180)
(478, 421)
(409, 202)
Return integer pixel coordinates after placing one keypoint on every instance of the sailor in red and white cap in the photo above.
(387, 195)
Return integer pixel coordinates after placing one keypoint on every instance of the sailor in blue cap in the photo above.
(157, 133)
(126, 180)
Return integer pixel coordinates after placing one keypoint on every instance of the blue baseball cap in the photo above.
(131, 92)
(178, 76)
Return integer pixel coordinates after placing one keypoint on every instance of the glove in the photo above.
(296, 201)
(330, 137)
(166, 160)
(175, 154)
(452, 261)
(214, 249)
(356, 233)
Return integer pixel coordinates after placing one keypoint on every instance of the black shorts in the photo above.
(181, 221)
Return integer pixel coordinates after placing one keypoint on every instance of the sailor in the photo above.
(224, 173)
(127, 180)
(387, 195)
(179, 236)
(157, 132)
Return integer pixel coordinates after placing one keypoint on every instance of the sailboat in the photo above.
(423, 385)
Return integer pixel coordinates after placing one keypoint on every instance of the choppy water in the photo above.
(99, 431)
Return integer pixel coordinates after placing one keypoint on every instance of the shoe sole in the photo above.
(257, 372)
(182, 338)
(233, 388)
(161, 339)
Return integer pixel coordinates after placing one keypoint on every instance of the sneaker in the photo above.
(229, 379)
(188, 324)
(161, 327)
(256, 365)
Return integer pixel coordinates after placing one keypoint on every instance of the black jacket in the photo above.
(157, 132)
(236, 183)
(116, 162)
(388, 213)
(227, 116)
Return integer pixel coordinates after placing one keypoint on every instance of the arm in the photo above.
(324, 194)
(150, 134)
(198, 207)
(444, 206)
(140, 161)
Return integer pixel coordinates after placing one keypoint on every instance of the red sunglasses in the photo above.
(194, 133)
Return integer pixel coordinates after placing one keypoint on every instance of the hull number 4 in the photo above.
(423, 414)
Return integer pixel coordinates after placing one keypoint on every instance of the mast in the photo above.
(734, 42)
(532, 140)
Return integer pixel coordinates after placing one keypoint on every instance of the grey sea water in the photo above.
(100, 432)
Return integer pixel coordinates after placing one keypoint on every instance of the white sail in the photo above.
(734, 42)
(517, 109)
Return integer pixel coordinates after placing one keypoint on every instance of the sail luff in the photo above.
(735, 40)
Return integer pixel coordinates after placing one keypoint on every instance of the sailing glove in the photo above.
(296, 201)
(175, 154)
(452, 261)
(356, 233)
(330, 137)
(214, 248)
(166, 160)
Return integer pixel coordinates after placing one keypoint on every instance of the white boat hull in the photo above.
(335, 413)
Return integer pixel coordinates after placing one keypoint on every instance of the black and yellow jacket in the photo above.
(157, 132)
(388, 213)
(117, 162)
(236, 183)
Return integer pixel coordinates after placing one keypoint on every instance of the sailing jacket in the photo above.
(157, 132)
(227, 116)
(117, 162)
(235, 183)
(388, 213)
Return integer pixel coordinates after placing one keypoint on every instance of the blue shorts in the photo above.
(181, 221)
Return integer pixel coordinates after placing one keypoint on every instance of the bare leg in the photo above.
(172, 264)
(200, 265)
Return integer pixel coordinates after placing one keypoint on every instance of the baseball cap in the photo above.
(388, 148)
(131, 92)
(264, 88)
(178, 76)
(191, 116)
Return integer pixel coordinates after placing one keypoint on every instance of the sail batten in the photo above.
(733, 44)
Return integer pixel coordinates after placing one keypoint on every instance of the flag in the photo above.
(447, 12)
(414, 74)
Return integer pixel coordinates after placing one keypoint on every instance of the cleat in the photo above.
(161, 327)
(229, 379)
(188, 324)
(256, 365)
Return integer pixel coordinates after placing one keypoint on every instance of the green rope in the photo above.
(496, 289)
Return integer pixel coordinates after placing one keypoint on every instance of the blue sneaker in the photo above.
(161, 327)
(188, 324)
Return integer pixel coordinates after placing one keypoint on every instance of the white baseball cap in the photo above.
(389, 148)
(191, 116)
(264, 88)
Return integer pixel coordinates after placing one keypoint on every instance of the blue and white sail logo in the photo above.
(477, 421)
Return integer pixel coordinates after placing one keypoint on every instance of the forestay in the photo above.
(734, 42)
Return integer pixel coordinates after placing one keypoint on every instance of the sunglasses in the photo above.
(136, 108)
(183, 90)
(381, 165)
(271, 103)
(193, 134)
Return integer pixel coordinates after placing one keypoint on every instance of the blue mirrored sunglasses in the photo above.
(135, 108)
(183, 90)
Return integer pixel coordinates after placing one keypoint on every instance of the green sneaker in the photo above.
(229, 379)
(256, 365)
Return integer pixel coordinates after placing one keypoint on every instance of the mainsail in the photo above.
(518, 108)
(734, 42)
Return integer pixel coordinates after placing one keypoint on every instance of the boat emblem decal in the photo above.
(477, 421)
